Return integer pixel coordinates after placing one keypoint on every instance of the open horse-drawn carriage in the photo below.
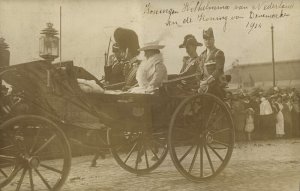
(35, 127)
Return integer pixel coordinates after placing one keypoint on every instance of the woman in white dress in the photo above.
(151, 72)
(279, 119)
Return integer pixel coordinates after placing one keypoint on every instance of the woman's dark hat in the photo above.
(190, 39)
(208, 34)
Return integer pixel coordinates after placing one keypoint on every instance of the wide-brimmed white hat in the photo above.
(151, 46)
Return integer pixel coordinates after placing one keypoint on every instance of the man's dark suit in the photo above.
(212, 64)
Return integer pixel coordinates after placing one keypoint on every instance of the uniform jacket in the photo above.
(212, 64)
(114, 73)
(130, 70)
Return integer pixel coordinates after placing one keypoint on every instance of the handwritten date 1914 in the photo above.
(251, 26)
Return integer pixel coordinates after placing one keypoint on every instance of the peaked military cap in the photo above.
(209, 33)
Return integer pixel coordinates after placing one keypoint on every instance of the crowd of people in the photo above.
(259, 114)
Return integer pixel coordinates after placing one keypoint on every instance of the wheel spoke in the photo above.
(209, 159)
(51, 168)
(7, 158)
(155, 155)
(42, 178)
(186, 153)
(4, 174)
(201, 160)
(194, 158)
(218, 119)
(129, 154)
(216, 153)
(35, 141)
(138, 157)
(44, 145)
(221, 143)
(21, 179)
(209, 116)
(6, 147)
(31, 179)
(19, 147)
(220, 131)
(161, 144)
(146, 157)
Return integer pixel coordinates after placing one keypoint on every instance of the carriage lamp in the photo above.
(49, 43)
(4, 53)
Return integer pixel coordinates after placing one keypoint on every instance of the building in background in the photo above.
(287, 74)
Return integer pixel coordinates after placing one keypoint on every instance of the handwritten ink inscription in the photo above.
(252, 15)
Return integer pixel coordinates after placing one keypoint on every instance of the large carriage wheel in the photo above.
(201, 137)
(34, 154)
(138, 151)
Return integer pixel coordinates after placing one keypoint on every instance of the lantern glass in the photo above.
(49, 47)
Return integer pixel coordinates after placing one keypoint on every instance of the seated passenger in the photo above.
(152, 72)
(211, 67)
(129, 45)
(114, 68)
(190, 62)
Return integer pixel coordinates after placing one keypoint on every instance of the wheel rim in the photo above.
(41, 154)
(138, 151)
(201, 137)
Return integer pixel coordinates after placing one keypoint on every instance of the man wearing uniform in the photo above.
(114, 70)
(211, 67)
(129, 45)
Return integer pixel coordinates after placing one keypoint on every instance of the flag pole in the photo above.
(60, 36)
(273, 60)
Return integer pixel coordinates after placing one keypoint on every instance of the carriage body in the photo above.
(141, 128)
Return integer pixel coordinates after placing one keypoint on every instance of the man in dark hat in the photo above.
(129, 45)
(211, 66)
(114, 70)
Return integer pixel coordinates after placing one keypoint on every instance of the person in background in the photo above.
(239, 116)
(249, 127)
(287, 115)
(279, 118)
(296, 115)
(266, 118)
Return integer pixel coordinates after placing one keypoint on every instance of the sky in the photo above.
(87, 26)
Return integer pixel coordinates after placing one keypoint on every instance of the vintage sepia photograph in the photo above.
(113, 95)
